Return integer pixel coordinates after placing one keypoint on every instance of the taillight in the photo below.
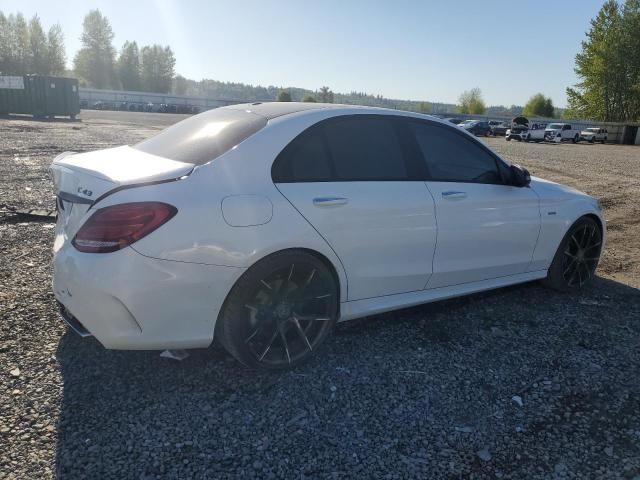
(113, 228)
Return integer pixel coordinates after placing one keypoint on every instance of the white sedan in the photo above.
(265, 224)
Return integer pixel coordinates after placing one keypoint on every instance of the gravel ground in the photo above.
(519, 383)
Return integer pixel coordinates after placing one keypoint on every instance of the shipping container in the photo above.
(40, 96)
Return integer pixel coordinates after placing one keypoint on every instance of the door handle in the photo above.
(329, 201)
(451, 195)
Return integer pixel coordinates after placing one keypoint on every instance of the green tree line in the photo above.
(26, 48)
(608, 65)
(150, 68)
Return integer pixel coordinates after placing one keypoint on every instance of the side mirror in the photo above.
(520, 176)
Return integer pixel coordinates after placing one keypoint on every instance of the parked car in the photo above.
(247, 222)
(561, 132)
(594, 134)
(498, 129)
(476, 127)
(149, 107)
(536, 132)
(456, 121)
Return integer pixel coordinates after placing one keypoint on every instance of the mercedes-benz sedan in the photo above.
(263, 225)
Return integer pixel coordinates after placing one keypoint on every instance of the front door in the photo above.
(486, 227)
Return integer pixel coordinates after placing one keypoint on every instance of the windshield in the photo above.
(555, 126)
(201, 138)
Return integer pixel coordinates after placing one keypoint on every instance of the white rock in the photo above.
(484, 454)
(15, 372)
(517, 399)
(464, 429)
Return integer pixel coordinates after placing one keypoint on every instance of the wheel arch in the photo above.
(320, 256)
(597, 219)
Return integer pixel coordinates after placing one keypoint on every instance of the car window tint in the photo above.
(451, 157)
(365, 147)
(204, 137)
(305, 159)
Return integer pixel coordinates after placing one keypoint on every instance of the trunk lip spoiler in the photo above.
(132, 185)
(70, 197)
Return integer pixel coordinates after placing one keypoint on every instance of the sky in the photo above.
(405, 49)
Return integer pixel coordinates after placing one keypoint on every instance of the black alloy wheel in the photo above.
(280, 311)
(577, 257)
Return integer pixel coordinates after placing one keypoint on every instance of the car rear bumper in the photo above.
(131, 302)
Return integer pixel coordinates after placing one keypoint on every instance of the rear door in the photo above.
(486, 228)
(352, 179)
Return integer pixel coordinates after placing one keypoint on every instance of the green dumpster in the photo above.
(40, 96)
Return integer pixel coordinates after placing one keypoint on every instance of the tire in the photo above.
(573, 266)
(603, 141)
(528, 139)
(575, 139)
(508, 139)
(280, 311)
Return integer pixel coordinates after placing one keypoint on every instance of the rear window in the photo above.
(201, 138)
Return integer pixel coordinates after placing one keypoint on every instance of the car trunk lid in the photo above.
(82, 179)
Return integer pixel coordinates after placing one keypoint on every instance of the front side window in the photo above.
(349, 148)
(451, 157)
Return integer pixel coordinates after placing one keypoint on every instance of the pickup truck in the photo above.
(536, 132)
(594, 134)
(561, 132)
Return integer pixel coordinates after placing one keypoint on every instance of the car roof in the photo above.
(271, 110)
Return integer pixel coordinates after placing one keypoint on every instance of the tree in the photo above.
(284, 96)
(540, 106)
(325, 95)
(55, 47)
(309, 99)
(471, 102)
(424, 107)
(158, 68)
(95, 60)
(38, 52)
(20, 44)
(608, 66)
(25, 48)
(6, 55)
(180, 85)
(129, 66)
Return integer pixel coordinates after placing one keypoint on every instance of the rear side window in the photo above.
(365, 148)
(451, 157)
(305, 159)
(349, 148)
(202, 138)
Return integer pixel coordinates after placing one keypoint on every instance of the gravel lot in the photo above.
(426, 392)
